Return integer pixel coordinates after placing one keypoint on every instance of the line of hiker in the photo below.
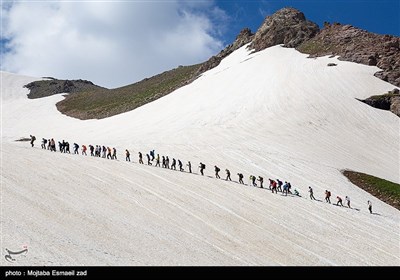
(164, 162)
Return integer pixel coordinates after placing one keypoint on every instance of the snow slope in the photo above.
(273, 113)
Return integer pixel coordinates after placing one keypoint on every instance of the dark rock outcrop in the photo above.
(357, 45)
(245, 36)
(389, 101)
(45, 88)
(287, 26)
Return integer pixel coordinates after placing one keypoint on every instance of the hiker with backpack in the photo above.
(327, 196)
(189, 166)
(228, 175)
(253, 180)
(273, 186)
(91, 147)
(33, 138)
(339, 200)
(127, 155)
(180, 165)
(261, 179)
(140, 158)
(216, 168)
(84, 150)
(202, 166)
(173, 164)
(240, 178)
(279, 186)
(76, 147)
(44, 141)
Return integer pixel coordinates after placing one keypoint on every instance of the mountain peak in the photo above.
(287, 26)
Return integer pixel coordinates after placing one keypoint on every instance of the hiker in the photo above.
(167, 162)
(347, 201)
(339, 200)
(279, 182)
(253, 180)
(228, 175)
(44, 141)
(369, 206)
(180, 165)
(61, 146)
(52, 145)
(261, 179)
(33, 138)
(327, 196)
(289, 186)
(173, 164)
(158, 160)
(109, 156)
(49, 145)
(104, 150)
(270, 183)
(163, 162)
(148, 159)
(202, 166)
(216, 168)
(114, 155)
(66, 149)
(310, 190)
(84, 150)
(76, 147)
(189, 166)
(273, 187)
(91, 150)
(140, 158)
(295, 192)
(240, 178)
(285, 188)
(152, 155)
(128, 155)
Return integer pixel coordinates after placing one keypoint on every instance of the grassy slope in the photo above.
(386, 191)
(104, 103)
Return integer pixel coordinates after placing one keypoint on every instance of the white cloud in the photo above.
(110, 43)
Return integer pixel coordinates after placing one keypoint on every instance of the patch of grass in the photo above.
(386, 191)
(103, 103)
(311, 47)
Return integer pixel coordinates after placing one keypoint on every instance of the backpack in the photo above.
(217, 168)
(203, 166)
(329, 193)
(45, 141)
(33, 138)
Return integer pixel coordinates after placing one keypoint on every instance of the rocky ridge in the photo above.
(52, 86)
(360, 46)
(389, 101)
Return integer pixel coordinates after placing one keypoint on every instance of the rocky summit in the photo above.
(287, 26)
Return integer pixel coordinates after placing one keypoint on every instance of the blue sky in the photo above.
(378, 16)
(114, 43)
